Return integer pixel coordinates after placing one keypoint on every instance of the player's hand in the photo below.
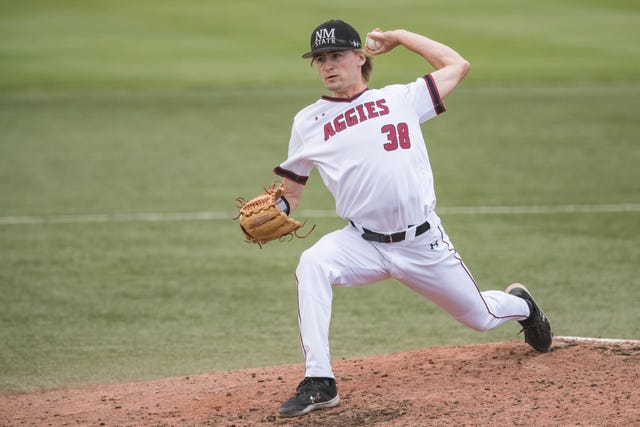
(378, 41)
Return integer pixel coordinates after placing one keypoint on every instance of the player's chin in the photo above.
(333, 87)
(331, 82)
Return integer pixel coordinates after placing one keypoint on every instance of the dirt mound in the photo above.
(576, 383)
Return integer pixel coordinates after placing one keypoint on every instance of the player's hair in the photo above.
(366, 69)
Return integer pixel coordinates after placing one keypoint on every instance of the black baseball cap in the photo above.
(333, 35)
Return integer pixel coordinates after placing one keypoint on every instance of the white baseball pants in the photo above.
(428, 264)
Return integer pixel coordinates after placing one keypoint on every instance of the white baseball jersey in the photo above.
(370, 153)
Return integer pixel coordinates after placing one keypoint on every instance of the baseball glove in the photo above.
(262, 220)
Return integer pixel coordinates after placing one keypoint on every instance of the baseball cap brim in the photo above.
(325, 49)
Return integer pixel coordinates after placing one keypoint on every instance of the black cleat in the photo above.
(311, 394)
(537, 329)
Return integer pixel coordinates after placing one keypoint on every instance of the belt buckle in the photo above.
(401, 237)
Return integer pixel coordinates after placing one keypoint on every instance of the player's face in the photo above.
(340, 71)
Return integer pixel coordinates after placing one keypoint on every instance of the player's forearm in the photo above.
(292, 192)
(436, 53)
(450, 66)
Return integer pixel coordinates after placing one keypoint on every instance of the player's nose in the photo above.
(328, 65)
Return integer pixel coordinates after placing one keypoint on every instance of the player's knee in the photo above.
(311, 264)
(307, 258)
(476, 322)
(481, 327)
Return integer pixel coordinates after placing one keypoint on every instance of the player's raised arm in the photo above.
(450, 66)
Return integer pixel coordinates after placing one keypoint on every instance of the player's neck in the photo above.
(351, 91)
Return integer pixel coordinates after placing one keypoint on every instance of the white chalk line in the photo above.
(217, 215)
(131, 217)
(601, 340)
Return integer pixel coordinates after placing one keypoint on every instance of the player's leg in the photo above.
(431, 266)
(341, 258)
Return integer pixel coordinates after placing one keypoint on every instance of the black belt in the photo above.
(391, 238)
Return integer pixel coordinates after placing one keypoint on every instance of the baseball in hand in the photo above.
(373, 44)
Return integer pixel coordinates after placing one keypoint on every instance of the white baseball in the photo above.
(373, 44)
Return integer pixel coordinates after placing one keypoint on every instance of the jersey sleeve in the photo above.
(425, 98)
(296, 167)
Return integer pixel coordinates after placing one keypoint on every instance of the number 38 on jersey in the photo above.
(397, 136)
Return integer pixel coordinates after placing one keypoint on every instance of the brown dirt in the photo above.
(576, 383)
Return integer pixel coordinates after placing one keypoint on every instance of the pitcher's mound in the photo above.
(576, 383)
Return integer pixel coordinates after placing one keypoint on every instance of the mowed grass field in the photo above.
(127, 129)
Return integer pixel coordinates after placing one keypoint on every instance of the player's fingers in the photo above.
(376, 34)
(375, 42)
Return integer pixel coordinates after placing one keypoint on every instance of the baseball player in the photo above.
(368, 147)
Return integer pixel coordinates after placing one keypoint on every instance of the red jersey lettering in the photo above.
(354, 116)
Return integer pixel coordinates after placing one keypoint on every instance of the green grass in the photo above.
(252, 43)
(159, 107)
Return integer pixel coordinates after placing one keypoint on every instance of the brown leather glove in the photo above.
(262, 220)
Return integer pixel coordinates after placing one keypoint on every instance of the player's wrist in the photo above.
(283, 205)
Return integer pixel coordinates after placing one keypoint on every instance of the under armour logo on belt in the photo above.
(433, 244)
